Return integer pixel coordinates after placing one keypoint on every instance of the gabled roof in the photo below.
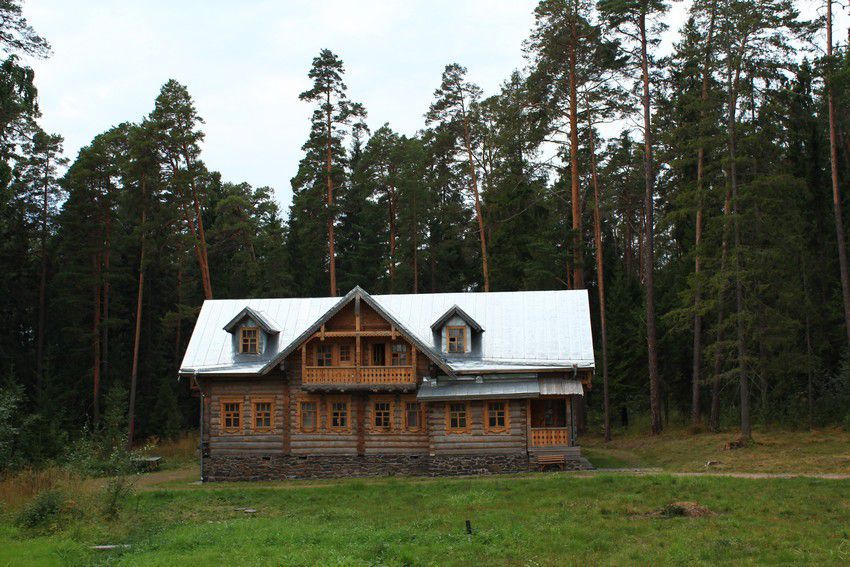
(455, 311)
(265, 323)
(353, 295)
(527, 331)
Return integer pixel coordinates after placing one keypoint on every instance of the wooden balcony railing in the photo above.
(550, 436)
(358, 375)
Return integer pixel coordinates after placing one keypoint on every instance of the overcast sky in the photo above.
(246, 62)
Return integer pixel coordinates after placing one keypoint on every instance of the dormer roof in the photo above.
(456, 311)
(266, 324)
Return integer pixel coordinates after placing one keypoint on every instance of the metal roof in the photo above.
(560, 387)
(261, 320)
(527, 331)
(494, 388)
(454, 310)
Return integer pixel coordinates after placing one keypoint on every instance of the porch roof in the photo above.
(498, 389)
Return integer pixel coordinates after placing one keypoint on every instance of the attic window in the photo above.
(249, 340)
(455, 338)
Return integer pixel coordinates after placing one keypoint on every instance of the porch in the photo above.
(550, 424)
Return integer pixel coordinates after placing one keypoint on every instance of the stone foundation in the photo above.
(279, 467)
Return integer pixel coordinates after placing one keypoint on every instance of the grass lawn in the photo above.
(776, 451)
(535, 519)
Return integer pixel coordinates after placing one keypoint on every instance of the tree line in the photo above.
(698, 194)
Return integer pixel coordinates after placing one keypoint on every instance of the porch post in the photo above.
(572, 421)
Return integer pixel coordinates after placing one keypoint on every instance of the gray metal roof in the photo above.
(527, 331)
(261, 320)
(494, 388)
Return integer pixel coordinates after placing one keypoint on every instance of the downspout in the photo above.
(201, 436)
(573, 410)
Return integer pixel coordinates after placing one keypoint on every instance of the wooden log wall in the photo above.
(476, 440)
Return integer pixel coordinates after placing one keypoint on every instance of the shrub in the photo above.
(42, 510)
(94, 454)
(115, 494)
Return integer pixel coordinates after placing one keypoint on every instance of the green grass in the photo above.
(773, 451)
(544, 519)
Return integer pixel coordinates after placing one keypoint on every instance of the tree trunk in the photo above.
(105, 320)
(696, 417)
(743, 379)
(714, 418)
(600, 280)
(134, 373)
(649, 245)
(178, 332)
(42, 287)
(329, 179)
(836, 196)
(415, 240)
(485, 270)
(578, 264)
(96, 309)
(392, 212)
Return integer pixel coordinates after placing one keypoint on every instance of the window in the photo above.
(231, 416)
(339, 415)
(263, 415)
(456, 339)
(382, 414)
(496, 418)
(249, 340)
(457, 420)
(345, 354)
(379, 354)
(324, 355)
(399, 354)
(412, 416)
(307, 415)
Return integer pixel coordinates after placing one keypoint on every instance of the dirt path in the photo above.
(756, 475)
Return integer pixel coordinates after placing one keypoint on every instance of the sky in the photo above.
(245, 63)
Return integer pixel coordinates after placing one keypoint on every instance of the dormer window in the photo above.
(249, 340)
(455, 339)
(251, 332)
(456, 332)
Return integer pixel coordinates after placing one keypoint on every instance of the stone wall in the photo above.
(276, 467)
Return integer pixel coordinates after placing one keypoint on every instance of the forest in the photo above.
(700, 196)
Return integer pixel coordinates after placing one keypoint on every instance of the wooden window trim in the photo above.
(262, 400)
(242, 340)
(422, 414)
(232, 430)
(504, 429)
(329, 408)
(382, 400)
(299, 415)
(330, 350)
(405, 354)
(350, 360)
(465, 338)
(458, 430)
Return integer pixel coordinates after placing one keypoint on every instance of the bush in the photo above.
(846, 423)
(42, 510)
(115, 494)
(97, 454)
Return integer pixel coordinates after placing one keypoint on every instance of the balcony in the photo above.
(355, 375)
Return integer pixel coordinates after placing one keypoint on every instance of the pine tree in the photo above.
(177, 126)
(639, 19)
(332, 117)
(36, 176)
(451, 111)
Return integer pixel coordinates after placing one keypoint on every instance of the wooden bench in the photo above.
(544, 461)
